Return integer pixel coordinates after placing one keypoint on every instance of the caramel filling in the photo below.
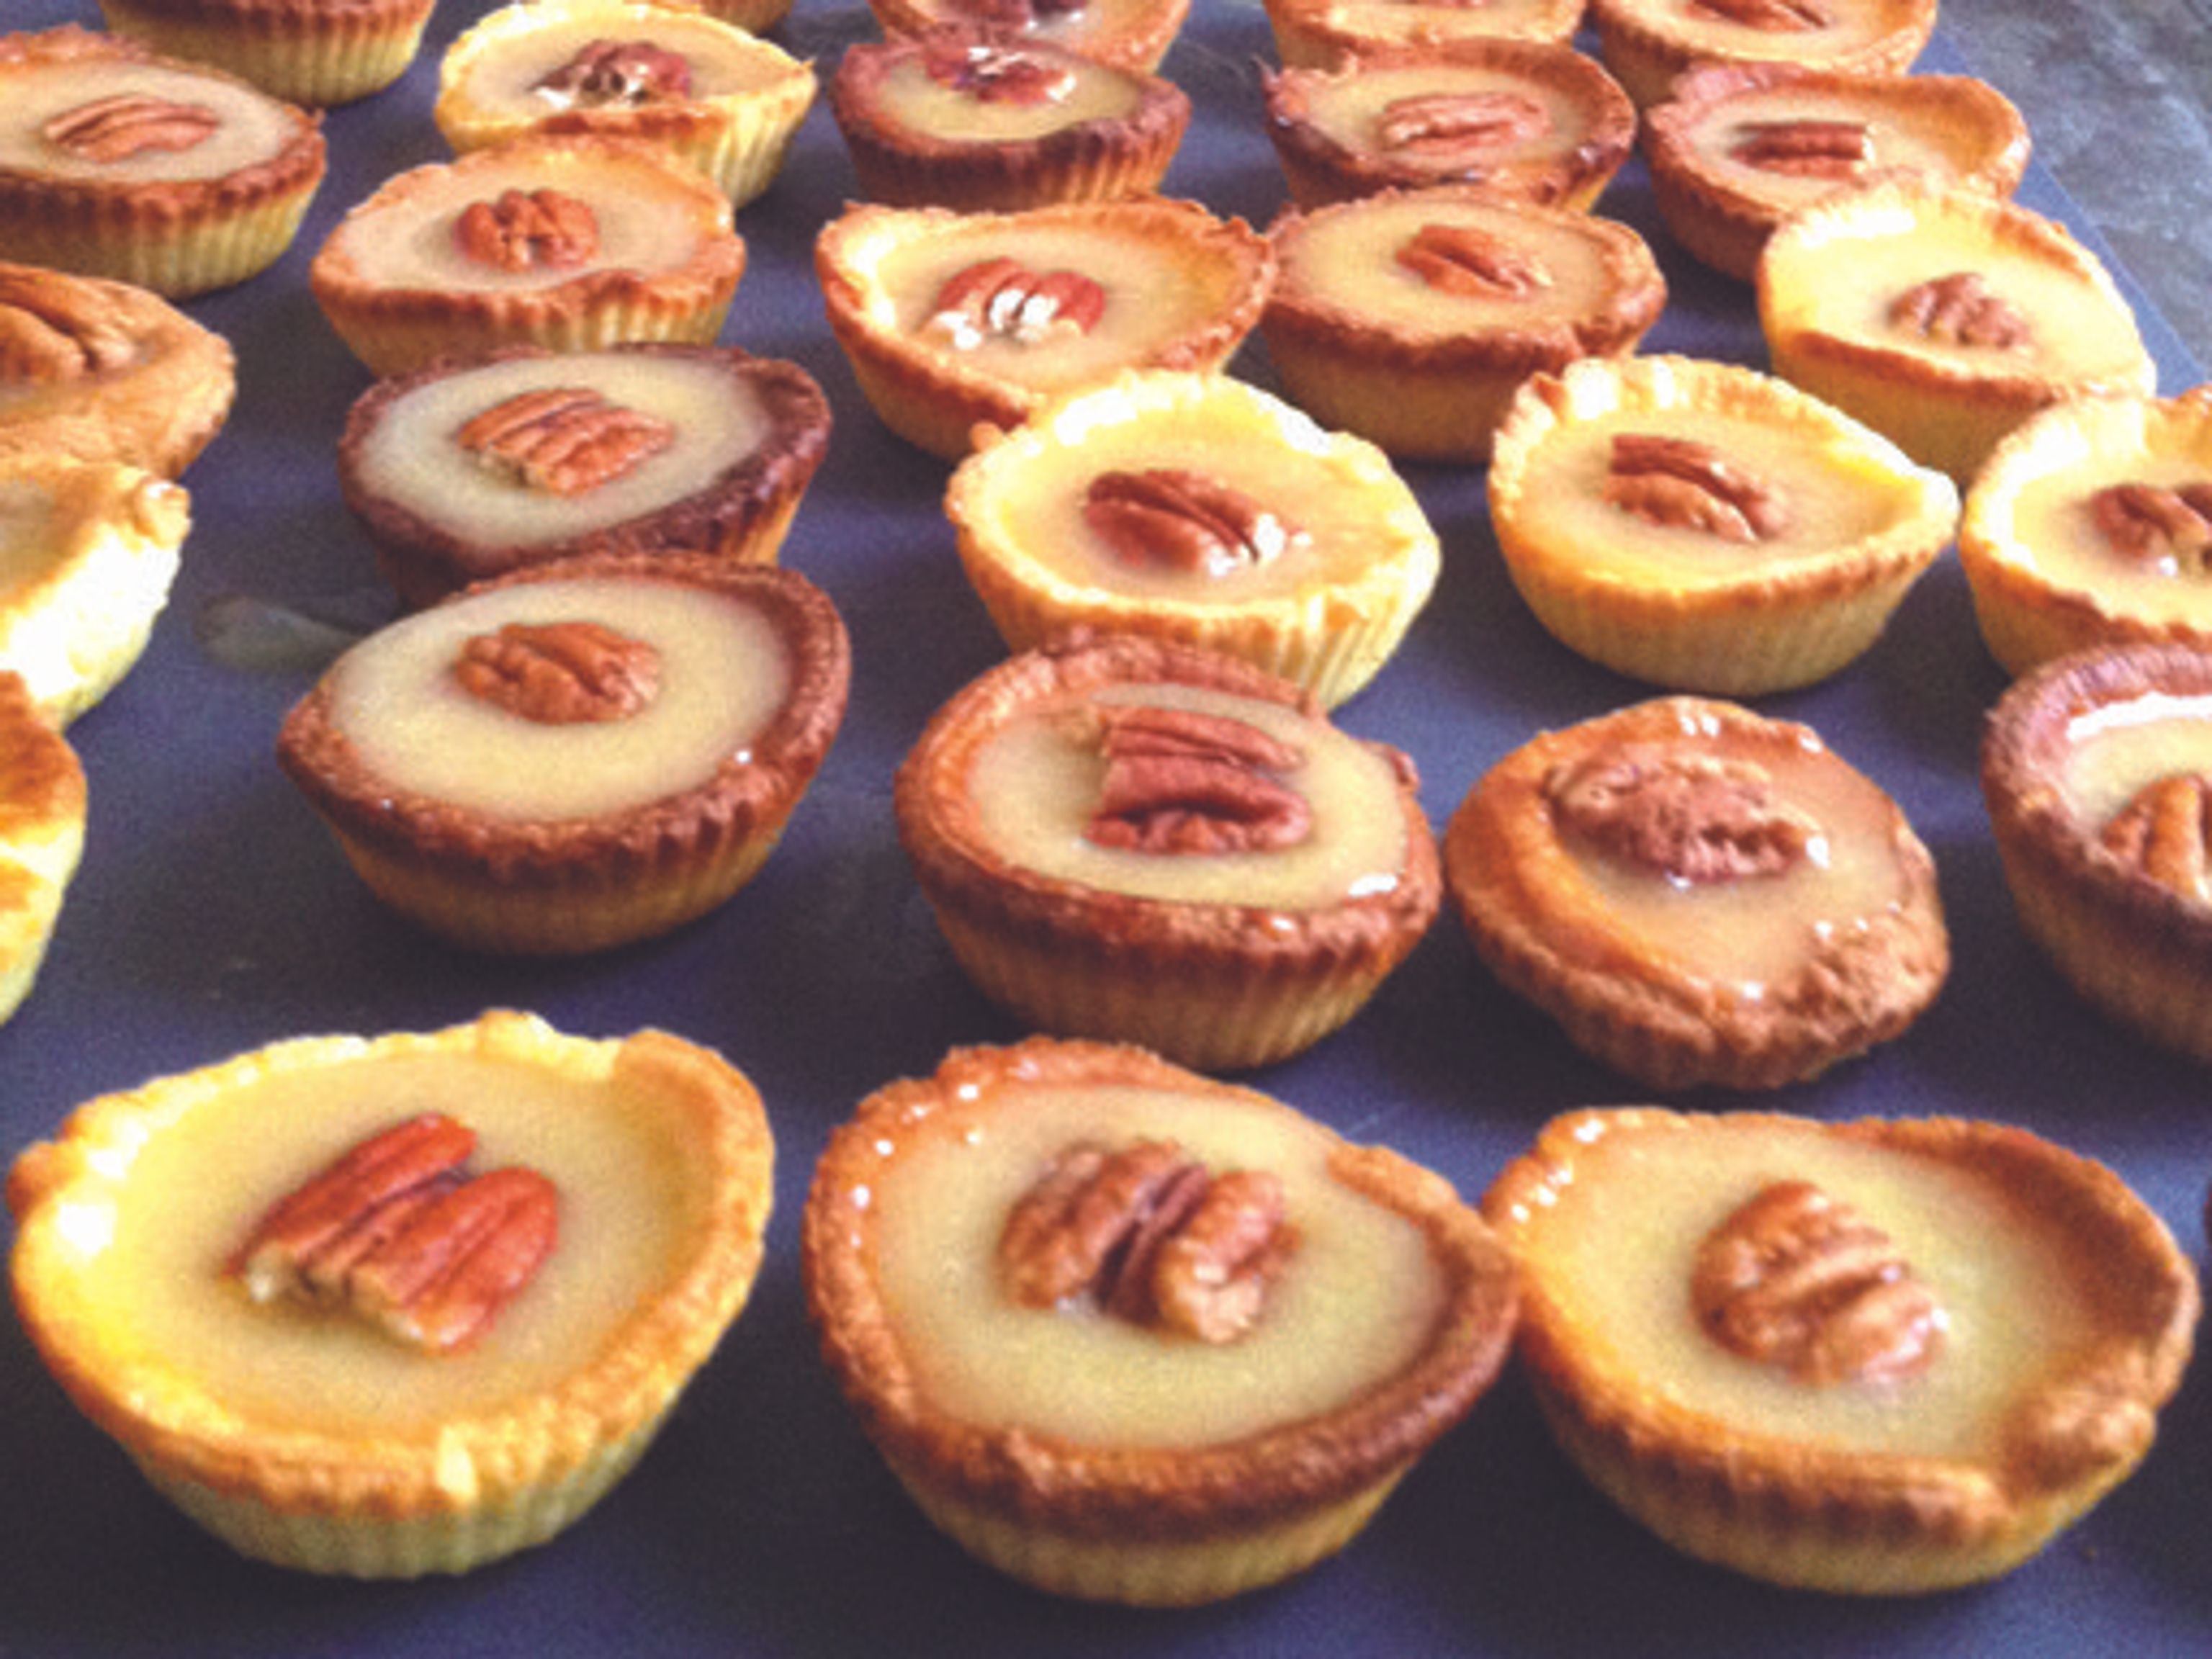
(916, 98)
(1353, 110)
(537, 44)
(2115, 752)
(249, 128)
(1352, 257)
(1896, 134)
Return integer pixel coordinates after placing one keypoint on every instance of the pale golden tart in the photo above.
(101, 371)
(304, 51)
(1324, 33)
(117, 162)
(705, 91)
(982, 121)
(1297, 550)
(1649, 44)
(568, 243)
(1943, 318)
(480, 465)
(1110, 1455)
(1147, 843)
(306, 1436)
(1129, 35)
(953, 320)
(577, 754)
(1699, 895)
(87, 552)
(1876, 1358)
(2095, 769)
(1412, 317)
(2091, 525)
(1705, 527)
(42, 807)
(1736, 150)
(1527, 120)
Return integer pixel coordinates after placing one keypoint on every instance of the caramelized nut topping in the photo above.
(50, 333)
(1682, 485)
(560, 673)
(1002, 298)
(1465, 259)
(566, 439)
(1184, 521)
(995, 73)
(1960, 310)
(1799, 1280)
(2166, 831)
(534, 230)
(626, 73)
(1150, 1237)
(397, 1232)
(1178, 781)
(127, 123)
(1692, 819)
(1459, 132)
(1774, 17)
(1806, 148)
(2169, 530)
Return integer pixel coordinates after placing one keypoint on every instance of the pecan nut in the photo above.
(2166, 831)
(1693, 819)
(1683, 484)
(616, 74)
(1002, 298)
(1467, 259)
(1180, 780)
(528, 230)
(1808, 148)
(50, 333)
(2169, 530)
(397, 1233)
(1960, 310)
(1184, 521)
(1458, 132)
(565, 673)
(568, 441)
(992, 73)
(1771, 16)
(127, 123)
(1799, 1280)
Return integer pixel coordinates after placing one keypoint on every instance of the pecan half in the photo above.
(624, 73)
(1467, 259)
(996, 74)
(398, 1233)
(1774, 16)
(1149, 1236)
(2166, 831)
(1003, 298)
(1692, 818)
(127, 123)
(1179, 780)
(1808, 149)
(1960, 310)
(50, 332)
(565, 440)
(1185, 521)
(1687, 485)
(1458, 131)
(528, 230)
(1802, 1281)
(560, 673)
(2170, 530)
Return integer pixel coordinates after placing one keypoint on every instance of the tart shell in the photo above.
(42, 807)
(304, 51)
(1644, 44)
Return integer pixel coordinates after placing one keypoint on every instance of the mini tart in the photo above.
(1649, 44)
(198, 182)
(1072, 899)
(1843, 290)
(571, 244)
(1322, 598)
(2090, 524)
(647, 726)
(88, 551)
(1411, 316)
(1734, 150)
(1526, 120)
(99, 371)
(2095, 768)
(942, 336)
(1129, 35)
(1699, 895)
(1705, 527)
(305, 1438)
(1327, 33)
(2067, 1316)
(702, 89)
(984, 122)
(437, 466)
(1106, 1457)
(304, 51)
(42, 799)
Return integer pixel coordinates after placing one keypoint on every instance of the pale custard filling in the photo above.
(253, 128)
(156, 1244)
(413, 460)
(2115, 751)
(1348, 108)
(1350, 256)
(1394, 21)
(918, 101)
(723, 675)
(1898, 136)
(1036, 787)
(1849, 28)
(535, 41)
(2049, 524)
(1358, 1302)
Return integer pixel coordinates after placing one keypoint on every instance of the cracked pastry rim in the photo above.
(1324, 33)
(304, 51)
(42, 817)
(1647, 44)
(1128, 34)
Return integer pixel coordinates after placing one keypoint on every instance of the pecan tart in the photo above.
(1411, 316)
(101, 371)
(477, 466)
(1705, 527)
(1197, 508)
(566, 243)
(1525, 120)
(393, 1305)
(704, 90)
(952, 319)
(1137, 841)
(1874, 1357)
(1699, 895)
(982, 120)
(1649, 43)
(1225, 1401)
(1325, 34)
(1734, 150)
(42, 799)
(577, 754)
(1129, 35)
(304, 51)
(1943, 317)
(117, 162)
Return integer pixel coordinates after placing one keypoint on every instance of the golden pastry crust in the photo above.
(1736, 150)
(1649, 44)
(1129, 35)
(304, 51)
(1063, 1514)
(1177, 288)
(1536, 123)
(1325, 34)
(405, 1500)
(99, 371)
(1738, 1489)
(42, 804)
(1548, 906)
